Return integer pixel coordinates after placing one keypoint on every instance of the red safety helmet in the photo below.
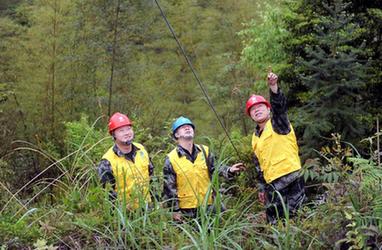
(118, 120)
(253, 100)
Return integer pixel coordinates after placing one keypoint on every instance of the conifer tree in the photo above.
(306, 22)
(334, 77)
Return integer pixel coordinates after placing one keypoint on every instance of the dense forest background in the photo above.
(66, 65)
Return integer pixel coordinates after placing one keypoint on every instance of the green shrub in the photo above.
(17, 232)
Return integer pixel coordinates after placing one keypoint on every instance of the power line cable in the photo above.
(195, 75)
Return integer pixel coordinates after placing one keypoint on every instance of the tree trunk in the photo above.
(115, 30)
(53, 71)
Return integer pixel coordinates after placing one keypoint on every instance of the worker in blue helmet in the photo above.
(188, 171)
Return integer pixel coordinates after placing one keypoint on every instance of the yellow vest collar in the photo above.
(130, 156)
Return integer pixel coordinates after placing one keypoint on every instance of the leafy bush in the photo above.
(16, 232)
(85, 143)
(335, 169)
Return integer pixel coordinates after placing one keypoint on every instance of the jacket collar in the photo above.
(119, 153)
(183, 152)
(257, 130)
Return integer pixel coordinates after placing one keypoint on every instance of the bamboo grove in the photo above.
(66, 65)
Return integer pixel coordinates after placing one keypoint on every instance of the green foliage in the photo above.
(364, 218)
(263, 49)
(63, 59)
(334, 77)
(82, 212)
(332, 69)
(11, 227)
(335, 168)
(353, 184)
(85, 142)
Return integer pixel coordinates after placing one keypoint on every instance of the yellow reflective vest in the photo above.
(277, 154)
(132, 178)
(192, 179)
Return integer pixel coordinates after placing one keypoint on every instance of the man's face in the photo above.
(259, 112)
(124, 135)
(186, 132)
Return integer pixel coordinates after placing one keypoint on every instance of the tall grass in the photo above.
(75, 212)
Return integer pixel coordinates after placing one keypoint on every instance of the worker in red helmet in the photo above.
(126, 166)
(275, 153)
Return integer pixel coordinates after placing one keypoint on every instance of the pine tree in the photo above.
(303, 21)
(334, 78)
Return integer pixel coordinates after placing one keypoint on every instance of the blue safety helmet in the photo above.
(180, 121)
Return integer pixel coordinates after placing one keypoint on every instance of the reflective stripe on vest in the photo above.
(277, 154)
(132, 178)
(192, 179)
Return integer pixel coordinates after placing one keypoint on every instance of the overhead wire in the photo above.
(196, 75)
